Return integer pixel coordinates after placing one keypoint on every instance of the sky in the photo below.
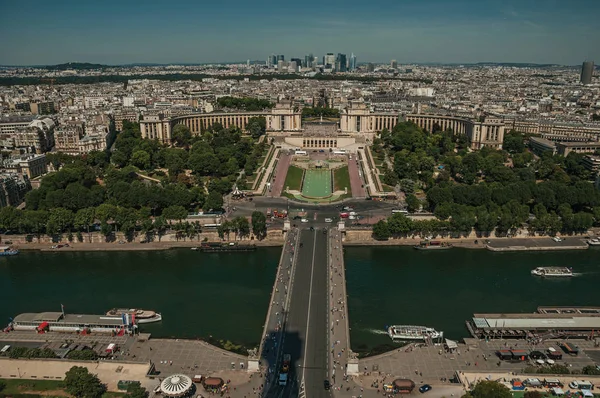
(112, 32)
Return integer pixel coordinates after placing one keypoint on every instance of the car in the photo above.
(424, 388)
(328, 220)
(326, 384)
(312, 228)
(574, 385)
(324, 230)
(557, 239)
(304, 220)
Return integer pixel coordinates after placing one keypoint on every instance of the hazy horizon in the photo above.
(410, 31)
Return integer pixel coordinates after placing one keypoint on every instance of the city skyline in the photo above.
(433, 31)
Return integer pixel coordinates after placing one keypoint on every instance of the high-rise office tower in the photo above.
(298, 62)
(340, 63)
(329, 60)
(280, 58)
(371, 67)
(308, 60)
(587, 71)
(394, 64)
(352, 62)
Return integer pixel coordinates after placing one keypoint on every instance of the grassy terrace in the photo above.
(341, 179)
(41, 388)
(293, 180)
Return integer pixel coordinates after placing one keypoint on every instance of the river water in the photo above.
(442, 289)
(226, 295)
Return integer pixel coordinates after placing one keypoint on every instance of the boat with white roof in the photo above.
(412, 332)
(139, 316)
(553, 272)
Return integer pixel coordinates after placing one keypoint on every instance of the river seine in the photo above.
(442, 289)
(226, 295)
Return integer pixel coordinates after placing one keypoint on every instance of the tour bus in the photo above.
(394, 211)
(339, 152)
(300, 152)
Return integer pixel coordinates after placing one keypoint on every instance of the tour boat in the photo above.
(8, 251)
(433, 245)
(141, 316)
(553, 271)
(411, 332)
(593, 242)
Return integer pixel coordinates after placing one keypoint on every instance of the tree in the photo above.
(242, 226)
(413, 203)
(81, 383)
(135, 390)
(59, 220)
(85, 355)
(141, 159)
(214, 201)
(175, 213)
(256, 126)
(84, 218)
(489, 389)
(259, 224)
(181, 135)
(381, 230)
(513, 142)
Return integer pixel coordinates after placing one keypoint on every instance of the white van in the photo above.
(328, 220)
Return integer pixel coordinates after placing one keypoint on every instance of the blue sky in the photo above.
(36, 32)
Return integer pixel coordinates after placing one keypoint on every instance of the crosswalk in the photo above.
(302, 392)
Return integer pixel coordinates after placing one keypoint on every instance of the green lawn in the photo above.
(317, 183)
(16, 386)
(341, 179)
(30, 387)
(293, 179)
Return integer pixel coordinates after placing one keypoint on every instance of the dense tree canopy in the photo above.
(80, 382)
(488, 189)
(245, 104)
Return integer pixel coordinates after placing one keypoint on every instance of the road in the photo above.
(305, 337)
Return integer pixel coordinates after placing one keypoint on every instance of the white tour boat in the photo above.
(141, 316)
(553, 271)
(411, 332)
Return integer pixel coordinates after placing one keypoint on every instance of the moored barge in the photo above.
(212, 247)
(73, 323)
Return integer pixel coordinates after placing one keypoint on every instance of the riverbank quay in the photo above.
(523, 243)
(274, 239)
(436, 365)
(138, 358)
(545, 244)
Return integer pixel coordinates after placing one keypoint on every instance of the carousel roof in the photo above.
(176, 385)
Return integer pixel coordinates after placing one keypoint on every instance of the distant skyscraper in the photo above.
(308, 60)
(371, 67)
(340, 63)
(353, 62)
(329, 60)
(587, 71)
(394, 64)
(298, 62)
(280, 58)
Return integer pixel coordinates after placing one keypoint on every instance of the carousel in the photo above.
(176, 386)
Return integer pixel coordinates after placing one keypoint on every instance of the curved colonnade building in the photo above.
(355, 121)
